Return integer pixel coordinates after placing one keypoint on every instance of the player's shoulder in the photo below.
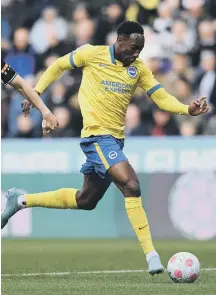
(92, 50)
(101, 47)
(91, 47)
(141, 65)
(98, 49)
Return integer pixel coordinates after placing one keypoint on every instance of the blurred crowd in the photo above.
(180, 50)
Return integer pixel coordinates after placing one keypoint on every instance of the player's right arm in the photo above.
(75, 59)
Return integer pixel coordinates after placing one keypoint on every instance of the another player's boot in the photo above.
(11, 206)
(154, 265)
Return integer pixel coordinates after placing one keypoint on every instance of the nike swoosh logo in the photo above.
(143, 227)
(102, 65)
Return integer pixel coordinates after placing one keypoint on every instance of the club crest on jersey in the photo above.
(112, 155)
(132, 71)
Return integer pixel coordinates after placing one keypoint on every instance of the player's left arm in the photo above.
(167, 102)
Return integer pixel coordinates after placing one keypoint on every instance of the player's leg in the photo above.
(95, 185)
(63, 199)
(108, 158)
(124, 176)
(66, 198)
(93, 190)
(87, 198)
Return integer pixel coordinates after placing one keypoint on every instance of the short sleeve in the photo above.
(7, 73)
(80, 56)
(147, 80)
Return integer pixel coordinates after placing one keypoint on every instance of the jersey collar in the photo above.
(112, 54)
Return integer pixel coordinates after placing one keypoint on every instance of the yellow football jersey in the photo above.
(107, 87)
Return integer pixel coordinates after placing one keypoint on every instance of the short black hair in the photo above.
(129, 27)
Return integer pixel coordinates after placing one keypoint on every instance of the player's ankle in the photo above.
(22, 202)
(151, 254)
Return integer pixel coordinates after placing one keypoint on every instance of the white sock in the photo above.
(149, 255)
(22, 202)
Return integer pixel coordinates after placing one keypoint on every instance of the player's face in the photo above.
(129, 48)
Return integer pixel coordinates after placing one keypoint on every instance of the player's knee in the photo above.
(88, 206)
(132, 188)
(85, 202)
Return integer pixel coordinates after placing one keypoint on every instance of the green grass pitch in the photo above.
(66, 262)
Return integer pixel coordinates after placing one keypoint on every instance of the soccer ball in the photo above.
(183, 267)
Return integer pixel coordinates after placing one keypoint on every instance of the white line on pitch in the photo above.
(36, 274)
(84, 272)
(111, 271)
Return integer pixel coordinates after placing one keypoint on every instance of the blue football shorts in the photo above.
(102, 152)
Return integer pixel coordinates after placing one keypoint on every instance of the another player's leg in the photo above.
(126, 180)
(87, 198)
(11, 206)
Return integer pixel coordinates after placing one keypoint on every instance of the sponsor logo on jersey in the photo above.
(132, 71)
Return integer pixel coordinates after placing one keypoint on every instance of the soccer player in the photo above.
(110, 76)
(9, 76)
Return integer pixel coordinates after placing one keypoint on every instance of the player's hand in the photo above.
(26, 107)
(198, 106)
(49, 123)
